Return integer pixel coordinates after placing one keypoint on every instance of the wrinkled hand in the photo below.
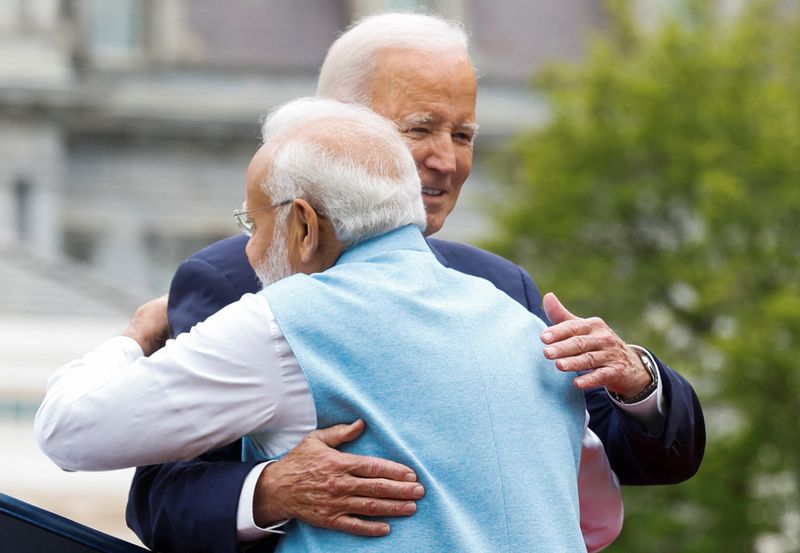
(578, 344)
(325, 487)
(149, 325)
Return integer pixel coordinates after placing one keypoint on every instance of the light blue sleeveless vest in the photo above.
(449, 375)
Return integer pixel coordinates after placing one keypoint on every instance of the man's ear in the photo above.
(304, 232)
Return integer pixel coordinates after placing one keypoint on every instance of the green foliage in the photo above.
(664, 196)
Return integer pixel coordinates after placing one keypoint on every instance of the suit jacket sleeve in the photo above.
(198, 290)
(639, 457)
(191, 505)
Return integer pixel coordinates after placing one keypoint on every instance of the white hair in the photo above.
(347, 71)
(348, 162)
(275, 264)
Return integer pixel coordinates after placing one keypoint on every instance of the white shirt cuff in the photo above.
(650, 411)
(246, 528)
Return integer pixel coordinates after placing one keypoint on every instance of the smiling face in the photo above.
(432, 99)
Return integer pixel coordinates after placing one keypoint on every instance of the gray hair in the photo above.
(348, 162)
(350, 63)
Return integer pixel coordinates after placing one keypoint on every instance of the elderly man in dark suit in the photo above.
(414, 70)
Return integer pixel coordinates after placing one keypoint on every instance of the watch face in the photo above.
(649, 366)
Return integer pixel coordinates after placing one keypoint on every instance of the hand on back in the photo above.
(578, 344)
(324, 487)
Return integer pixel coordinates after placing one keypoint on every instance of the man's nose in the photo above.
(442, 157)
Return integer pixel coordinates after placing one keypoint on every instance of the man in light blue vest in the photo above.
(358, 320)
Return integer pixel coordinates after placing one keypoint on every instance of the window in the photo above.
(407, 5)
(116, 30)
(22, 208)
(80, 245)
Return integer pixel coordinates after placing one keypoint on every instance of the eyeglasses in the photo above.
(243, 215)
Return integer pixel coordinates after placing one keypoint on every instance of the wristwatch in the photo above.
(653, 370)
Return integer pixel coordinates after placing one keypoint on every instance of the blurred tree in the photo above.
(664, 196)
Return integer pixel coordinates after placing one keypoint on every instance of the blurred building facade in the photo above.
(126, 125)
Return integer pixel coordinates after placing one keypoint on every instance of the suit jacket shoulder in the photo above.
(208, 281)
(505, 275)
(228, 257)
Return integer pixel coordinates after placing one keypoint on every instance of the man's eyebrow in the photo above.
(418, 118)
(424, 118)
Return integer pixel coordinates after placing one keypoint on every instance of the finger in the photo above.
(387, 489)
(566, 329)
(584, 362)
(576, 345)
(373, 467)
(359, 527)
(336, 435)
(594, 379)
(555, 310)
(569, 347)
(369, 506)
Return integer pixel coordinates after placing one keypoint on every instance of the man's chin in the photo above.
(270, 275)
(433, 224)
(436, 213)
(267, 280)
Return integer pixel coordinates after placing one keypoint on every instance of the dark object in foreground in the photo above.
(28, 529)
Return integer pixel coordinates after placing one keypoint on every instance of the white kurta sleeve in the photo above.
(115, 408)
(599, 494)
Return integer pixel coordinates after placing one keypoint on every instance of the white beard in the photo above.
(275, 265)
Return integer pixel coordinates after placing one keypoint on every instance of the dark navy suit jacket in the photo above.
(191, 505)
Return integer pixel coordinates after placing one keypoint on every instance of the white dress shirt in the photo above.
(232, 375)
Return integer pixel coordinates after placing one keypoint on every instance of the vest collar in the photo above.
(408, 237)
